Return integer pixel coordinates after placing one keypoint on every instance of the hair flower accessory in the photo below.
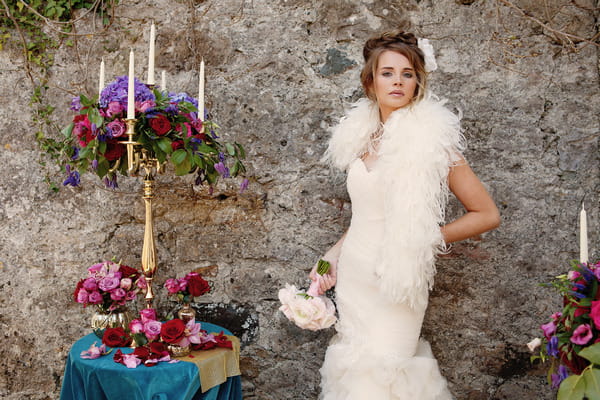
(427, 49)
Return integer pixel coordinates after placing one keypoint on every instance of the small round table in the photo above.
(104, 379)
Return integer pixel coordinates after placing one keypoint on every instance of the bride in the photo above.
(402, 150)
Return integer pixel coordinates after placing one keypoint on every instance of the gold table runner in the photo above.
(216, 365)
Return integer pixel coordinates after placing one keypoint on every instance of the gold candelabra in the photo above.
(140, 160)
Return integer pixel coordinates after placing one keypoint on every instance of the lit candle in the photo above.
(163, 81)
(151, 55)
(201, 92)
(101, 83)
(583, 241)
(131, 89)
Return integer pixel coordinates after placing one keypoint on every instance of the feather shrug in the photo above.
(419, 144)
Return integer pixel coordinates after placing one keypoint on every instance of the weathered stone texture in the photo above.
(279, 75)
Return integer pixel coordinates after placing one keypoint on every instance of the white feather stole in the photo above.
(418, 146)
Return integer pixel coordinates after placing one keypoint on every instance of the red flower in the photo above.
(114, 150)
(158, 349)
(77, 288)
(83, 129)
(129, 272)
(204, 346)
(116, 337)
(160, 124)
(197, 286)
(142, 353)
(177, 144)
(222, 341)
(172, 331)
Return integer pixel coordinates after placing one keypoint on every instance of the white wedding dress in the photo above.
(377, 353)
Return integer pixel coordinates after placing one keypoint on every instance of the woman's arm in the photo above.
(482, 214)
(328, 280)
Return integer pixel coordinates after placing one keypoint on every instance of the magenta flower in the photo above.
(136, 326)
(172, 285)
(95, 297)
(82, 296)
(94, 352)
(114, 108)
(549, 329)
(90, 284)
(116, 128)
(108, 283)
(141, 283)
(152, 330)
(148, 314)
(582, 334)
(95, 269)
(192, 334)
(126, 283)
(118, 294)
(130, 295)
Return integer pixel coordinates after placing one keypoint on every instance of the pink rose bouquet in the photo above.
(571, 339)
(109, 285)
(308, 310)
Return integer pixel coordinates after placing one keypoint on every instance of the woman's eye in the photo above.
(386, 74)
(408, 75)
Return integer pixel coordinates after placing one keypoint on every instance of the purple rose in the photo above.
(90, 284)
(549, 329)
(114, 108)
(116, 128)
(118, 294)
(172, 285)
(582, 334)
(152, 330)
(108, 283)
(95, 297)
(136, 326)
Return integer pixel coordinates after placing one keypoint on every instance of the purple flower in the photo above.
(72, 177)
(222, 169)
(552, 347)
(75, 155)
(111, 183)
(549, 329)
(113, 108)
(116, 128)
(582, 334)
(152, 330)
(90, 284)
(116, 91)
(130, 295)
(244, 185)
(109, 283)
(82, 296)
(560, 376)
(118, 294)
(75, 104)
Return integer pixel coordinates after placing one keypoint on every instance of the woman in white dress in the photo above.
(402, 150)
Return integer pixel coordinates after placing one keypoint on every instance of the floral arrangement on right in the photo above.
(571, 339)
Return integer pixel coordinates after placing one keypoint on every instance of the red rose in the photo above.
(158, 349)
(142, 353)
(197, 286)
(116, 337)
(114, 150)
(177, 144)
(118, 357)
(172, 331)
(128, 272)
(160, 124)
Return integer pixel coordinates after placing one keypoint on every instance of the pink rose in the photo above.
(95, 297)
(118, 294)
(307, 313)
(90, 284)
(141, 283)
(145, 105)
(582, 334)
(152, 330)
(82, 296)
(130, 295)
(595, 313)
(136, 326)
(108, 283)
(572, 275)
(148, 314)
(117, 128)
(126, 283)
(95, 269)
(172, 285)
(114, 108)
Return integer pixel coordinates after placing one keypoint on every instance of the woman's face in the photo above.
(394, 82)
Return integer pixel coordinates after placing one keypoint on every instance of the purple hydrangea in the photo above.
(72, 177)
(117, 91)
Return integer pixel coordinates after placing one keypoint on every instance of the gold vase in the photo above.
(186, 313)
(178, 351)
(102, 319)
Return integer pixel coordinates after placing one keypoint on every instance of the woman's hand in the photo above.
(326, 281)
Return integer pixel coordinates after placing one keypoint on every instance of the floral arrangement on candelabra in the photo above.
(571, 339)
(167, 126)
(109, 286)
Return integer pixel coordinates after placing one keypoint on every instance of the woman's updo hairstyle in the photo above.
(401, 42)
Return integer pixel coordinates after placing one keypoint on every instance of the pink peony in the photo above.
(311, 313)
(94, 352)
(582, 334)
(145, 105)
(192, 334)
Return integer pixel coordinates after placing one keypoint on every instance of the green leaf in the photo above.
(102, 147)
(165, 145)
(230, 149)
(103, 167)
(572, 388)
(178, 156)
(241, 151)
(235, 169)
(68, 130)
(95, 117)
(592, 383)
(591, 353)
(184, 167)
(206, 149)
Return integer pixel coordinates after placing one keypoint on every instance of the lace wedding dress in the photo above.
(377, 353)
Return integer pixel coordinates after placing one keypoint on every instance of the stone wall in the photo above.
(279, 74)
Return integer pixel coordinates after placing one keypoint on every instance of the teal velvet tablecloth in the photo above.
(104, 379)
